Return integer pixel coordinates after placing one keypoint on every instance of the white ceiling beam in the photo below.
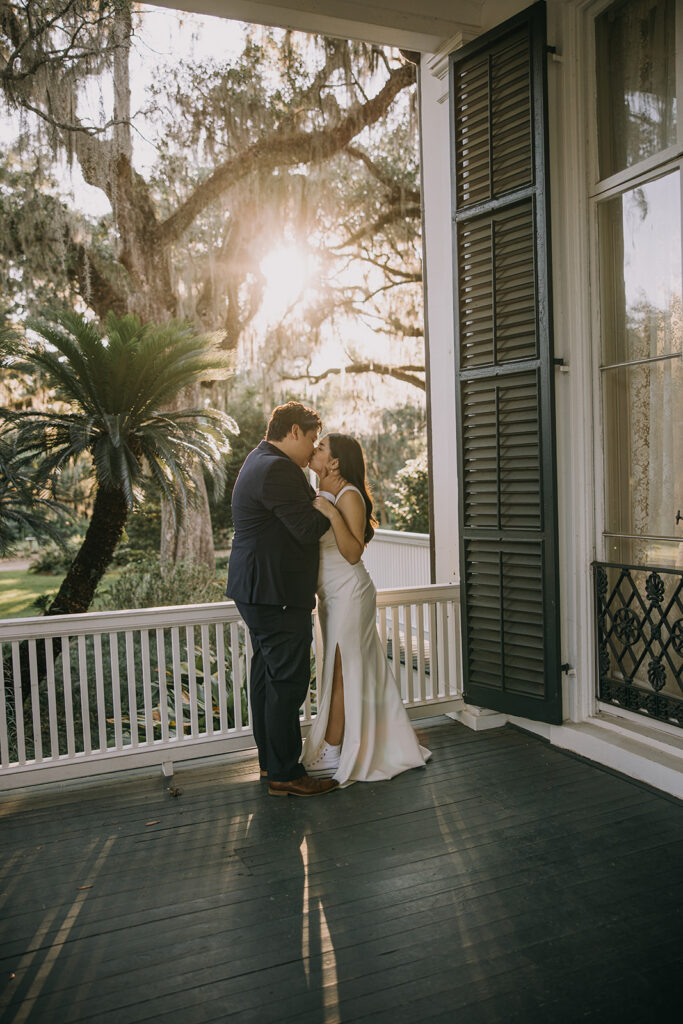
(404, 23)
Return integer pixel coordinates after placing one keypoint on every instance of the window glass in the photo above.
(636, 82)
(643, 422)
(640, 272)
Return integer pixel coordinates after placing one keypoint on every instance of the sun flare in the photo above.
(289, 272)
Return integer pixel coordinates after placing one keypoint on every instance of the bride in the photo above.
(362, 732)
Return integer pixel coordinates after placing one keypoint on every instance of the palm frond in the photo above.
(117, 383)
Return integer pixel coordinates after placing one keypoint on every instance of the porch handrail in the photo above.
(181, 614)
(82, 694)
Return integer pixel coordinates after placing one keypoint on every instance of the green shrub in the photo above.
(411, 505)
(42, 603)
(54, 559)
(150, 583)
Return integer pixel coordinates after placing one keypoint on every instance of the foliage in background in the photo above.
(399, 436)
(150, 583)
(246, 409)
(410, 507)
(25, 505)
(118, 386)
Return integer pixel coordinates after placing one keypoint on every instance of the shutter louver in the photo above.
(501, 452)
(505, 627)
(511, 114)
(497, 290)
(506, 459)
(472, 140)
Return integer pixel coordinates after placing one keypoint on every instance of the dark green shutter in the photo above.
(504, 357)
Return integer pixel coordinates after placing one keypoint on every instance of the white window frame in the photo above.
(656, 166)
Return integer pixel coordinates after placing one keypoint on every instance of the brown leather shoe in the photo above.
(305, 786)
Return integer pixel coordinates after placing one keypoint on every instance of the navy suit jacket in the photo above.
(274, 557)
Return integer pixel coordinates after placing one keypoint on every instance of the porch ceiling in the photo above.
(402, 23)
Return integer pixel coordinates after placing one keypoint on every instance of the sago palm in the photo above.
(116, 387)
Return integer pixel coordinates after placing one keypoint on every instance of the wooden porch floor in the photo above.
(506, 882)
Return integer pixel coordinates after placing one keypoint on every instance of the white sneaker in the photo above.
(325, 765)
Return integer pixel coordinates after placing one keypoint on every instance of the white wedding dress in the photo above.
(379, 741)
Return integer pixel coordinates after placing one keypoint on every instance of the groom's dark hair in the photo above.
(284, 417)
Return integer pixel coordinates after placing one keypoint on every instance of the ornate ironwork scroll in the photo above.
(640, 639)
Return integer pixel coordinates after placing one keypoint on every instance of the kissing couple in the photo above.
(290, 543)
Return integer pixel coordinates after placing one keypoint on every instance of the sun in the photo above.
(289, 271)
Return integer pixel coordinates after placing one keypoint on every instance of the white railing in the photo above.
(396, 559)
(83, 694)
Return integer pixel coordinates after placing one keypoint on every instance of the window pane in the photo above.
(661, 553)
(643, 417)
(636, 82)
(640, 272)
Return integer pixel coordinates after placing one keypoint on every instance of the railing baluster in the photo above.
(163, 688)
(132, 689)
(243, 634)
(18, 703)
(35, 701)
(177, 685)
(318, 659)
(192, 681)
(249, 654)
(222, 684)
(382, 627)
(396, 652)
(116, 689)
(52, 698)
(453, 653)
(4, 730)
(68, 697)
(421, 679)
(85, 702)
(208, 689)
(99, 688)
(408, 632)
(434, 663)
(443, 645)
(236, 675)
(147, 684)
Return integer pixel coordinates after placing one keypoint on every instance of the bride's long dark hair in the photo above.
(351, 460)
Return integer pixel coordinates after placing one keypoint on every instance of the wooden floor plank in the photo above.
(504, 863)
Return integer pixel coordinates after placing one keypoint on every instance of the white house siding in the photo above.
(398, 560)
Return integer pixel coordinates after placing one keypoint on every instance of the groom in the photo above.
(272, 576)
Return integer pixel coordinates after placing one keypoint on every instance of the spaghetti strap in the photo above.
(348, 487)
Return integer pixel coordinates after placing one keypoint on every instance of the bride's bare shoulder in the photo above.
(350, 495)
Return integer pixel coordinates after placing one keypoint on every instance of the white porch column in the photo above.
(438, 276)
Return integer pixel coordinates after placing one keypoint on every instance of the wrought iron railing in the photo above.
(639, 613)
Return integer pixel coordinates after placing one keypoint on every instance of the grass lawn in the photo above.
(20, 588)
(18, 591)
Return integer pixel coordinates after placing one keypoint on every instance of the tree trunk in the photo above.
(77, 591)
(193, 540)
(104, 532)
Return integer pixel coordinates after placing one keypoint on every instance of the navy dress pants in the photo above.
(280, 676)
